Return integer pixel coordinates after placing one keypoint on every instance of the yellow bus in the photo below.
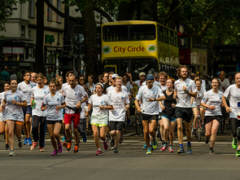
(136, 46)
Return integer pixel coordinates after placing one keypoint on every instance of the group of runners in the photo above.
(160, 102)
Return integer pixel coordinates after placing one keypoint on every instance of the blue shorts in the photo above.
(171, 119)
(27, 110)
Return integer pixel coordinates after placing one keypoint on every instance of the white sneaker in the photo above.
(11, 153)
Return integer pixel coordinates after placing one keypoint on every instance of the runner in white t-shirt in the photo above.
(13, 102)
(185, 89)
(53, 103)
(212, 101)
(39, 92)
(99, 104)
(120, 101)
(233, 94)
(75, 95)
(149, 95)
(26, 88)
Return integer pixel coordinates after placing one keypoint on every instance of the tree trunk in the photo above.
(89, 30)
(39, 64)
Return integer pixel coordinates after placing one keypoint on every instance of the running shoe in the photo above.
(164, 147)
(59, 148)
(105, 145)
(144, 146)
(34, 145)
(69, 145)
(115, 150)
(170, 149)
(54, 153)
(149, 151)
(180, 150)
(76, 147)
(99, 152)
(6, 146)
(154, 145)
(25, 141)
(234, 143)
(189, 149)
(29, 141)
(41, 149)
(19, 143)
(238, 153)
(211, 151)
(11, 153)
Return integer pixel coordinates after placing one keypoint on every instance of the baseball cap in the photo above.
(114, 76)
(150, 77)
(142, 74)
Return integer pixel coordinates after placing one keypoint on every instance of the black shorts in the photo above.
(184, 113)
(116, 125)
(27, 110)
(208, 119)
(148, 117)
(54, 122)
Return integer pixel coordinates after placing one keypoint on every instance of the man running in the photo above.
(185, 89)
(118, 98)
(74, 97)
(149, 95)
(233, 94)
(26, 89)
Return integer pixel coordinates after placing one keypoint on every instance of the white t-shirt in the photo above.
(213, 99)
(26, 89)
(110, 88)
(1, 97)
(97, 101)
(12, 111)
(39, 94)
(144, 94)
(118, 100)
(184, 99)
(233, 93)
(197, 100)
(139, 83)
(52, 102)
(73, 96)
(163, 88)
(33, 84)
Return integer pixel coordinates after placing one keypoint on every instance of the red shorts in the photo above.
(68, 118)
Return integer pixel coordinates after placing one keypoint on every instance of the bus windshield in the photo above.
(129, 32)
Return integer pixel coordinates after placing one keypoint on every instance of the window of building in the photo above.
(23, 29)
(49, 12)
(31, 8)
(58, 20)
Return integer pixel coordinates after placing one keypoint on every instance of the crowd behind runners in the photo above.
(157, 100)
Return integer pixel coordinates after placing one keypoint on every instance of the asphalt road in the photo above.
(131, 163)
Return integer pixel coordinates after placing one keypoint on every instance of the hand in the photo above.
(211, 107)
(139, 110)
(228, 109)
(102, 107)
(185, 88)
(58, 108)
(173, 105)
(78, 106)
(43, 108)
(14, 102)
(151, 99)
(86, 114)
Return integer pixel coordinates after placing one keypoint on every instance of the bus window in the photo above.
(129, 32)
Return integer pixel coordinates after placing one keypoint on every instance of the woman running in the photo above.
(99, 102)
(168, 115)
(212, 101)
(13, 102)
(3, 125)
(53, 103)
(39, 92)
